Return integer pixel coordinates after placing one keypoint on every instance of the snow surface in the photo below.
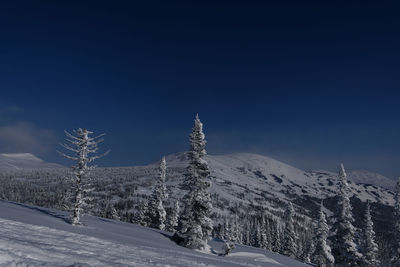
(32, 236)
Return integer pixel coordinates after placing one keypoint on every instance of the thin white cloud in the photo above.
(26, 137)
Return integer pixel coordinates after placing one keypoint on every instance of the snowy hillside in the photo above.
(24, 160)
(366, 177)
(264, 176)
(33, 236)
(243, 186)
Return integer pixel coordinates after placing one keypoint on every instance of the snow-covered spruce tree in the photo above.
(289, 247)
(173, 217)
(140, 216)
(343, 247)
(157, 212)
(308, 248)
(395, 260)
(369, 248)
(237, 237)
(83, 146)
(264, 241)
(229, 230)
(110, 212)
(246, 234)
(195, 225)
(256, 234)
(275, 237)
(322, 255)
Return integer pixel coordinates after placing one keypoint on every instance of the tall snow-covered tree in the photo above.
(173, 217)
(246, 234)
(369, 248)
(344, 247)
(275, 237)
(229, 234)
(237, 237)
(289, 247)
(322, 255)
(157, 212)
(396, 249)
(84, 149)
(264, 238)
(256, 237)
(195, 224)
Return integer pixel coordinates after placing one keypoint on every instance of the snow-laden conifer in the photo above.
(195, 224)
(344, 247)
(264, 241)
(369, 248)
(322, 255)
(256, 234)
(289, 247)
(396, 249)
(110, 212)
(83, 146)
(236, 229)
(246, 234)
(157, 212)
(141, 216)
(275, 237)
(228, 230)
(173, 217)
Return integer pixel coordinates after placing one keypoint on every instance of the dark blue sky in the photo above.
(309, 83)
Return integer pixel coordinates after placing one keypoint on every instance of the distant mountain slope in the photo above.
(24, 160)
(260, 175)
(33, 236)
(366, 177)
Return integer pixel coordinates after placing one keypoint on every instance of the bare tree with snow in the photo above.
(157, 212)
(322, 255)
(344, 247)
(83, 146)
(195, 224)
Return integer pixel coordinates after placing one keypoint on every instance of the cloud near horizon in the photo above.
(24, 137)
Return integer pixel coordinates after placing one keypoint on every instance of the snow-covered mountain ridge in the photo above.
(263, 174)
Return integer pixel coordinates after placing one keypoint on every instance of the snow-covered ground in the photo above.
(34, 236)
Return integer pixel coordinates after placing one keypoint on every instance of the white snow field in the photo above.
(35, 236)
